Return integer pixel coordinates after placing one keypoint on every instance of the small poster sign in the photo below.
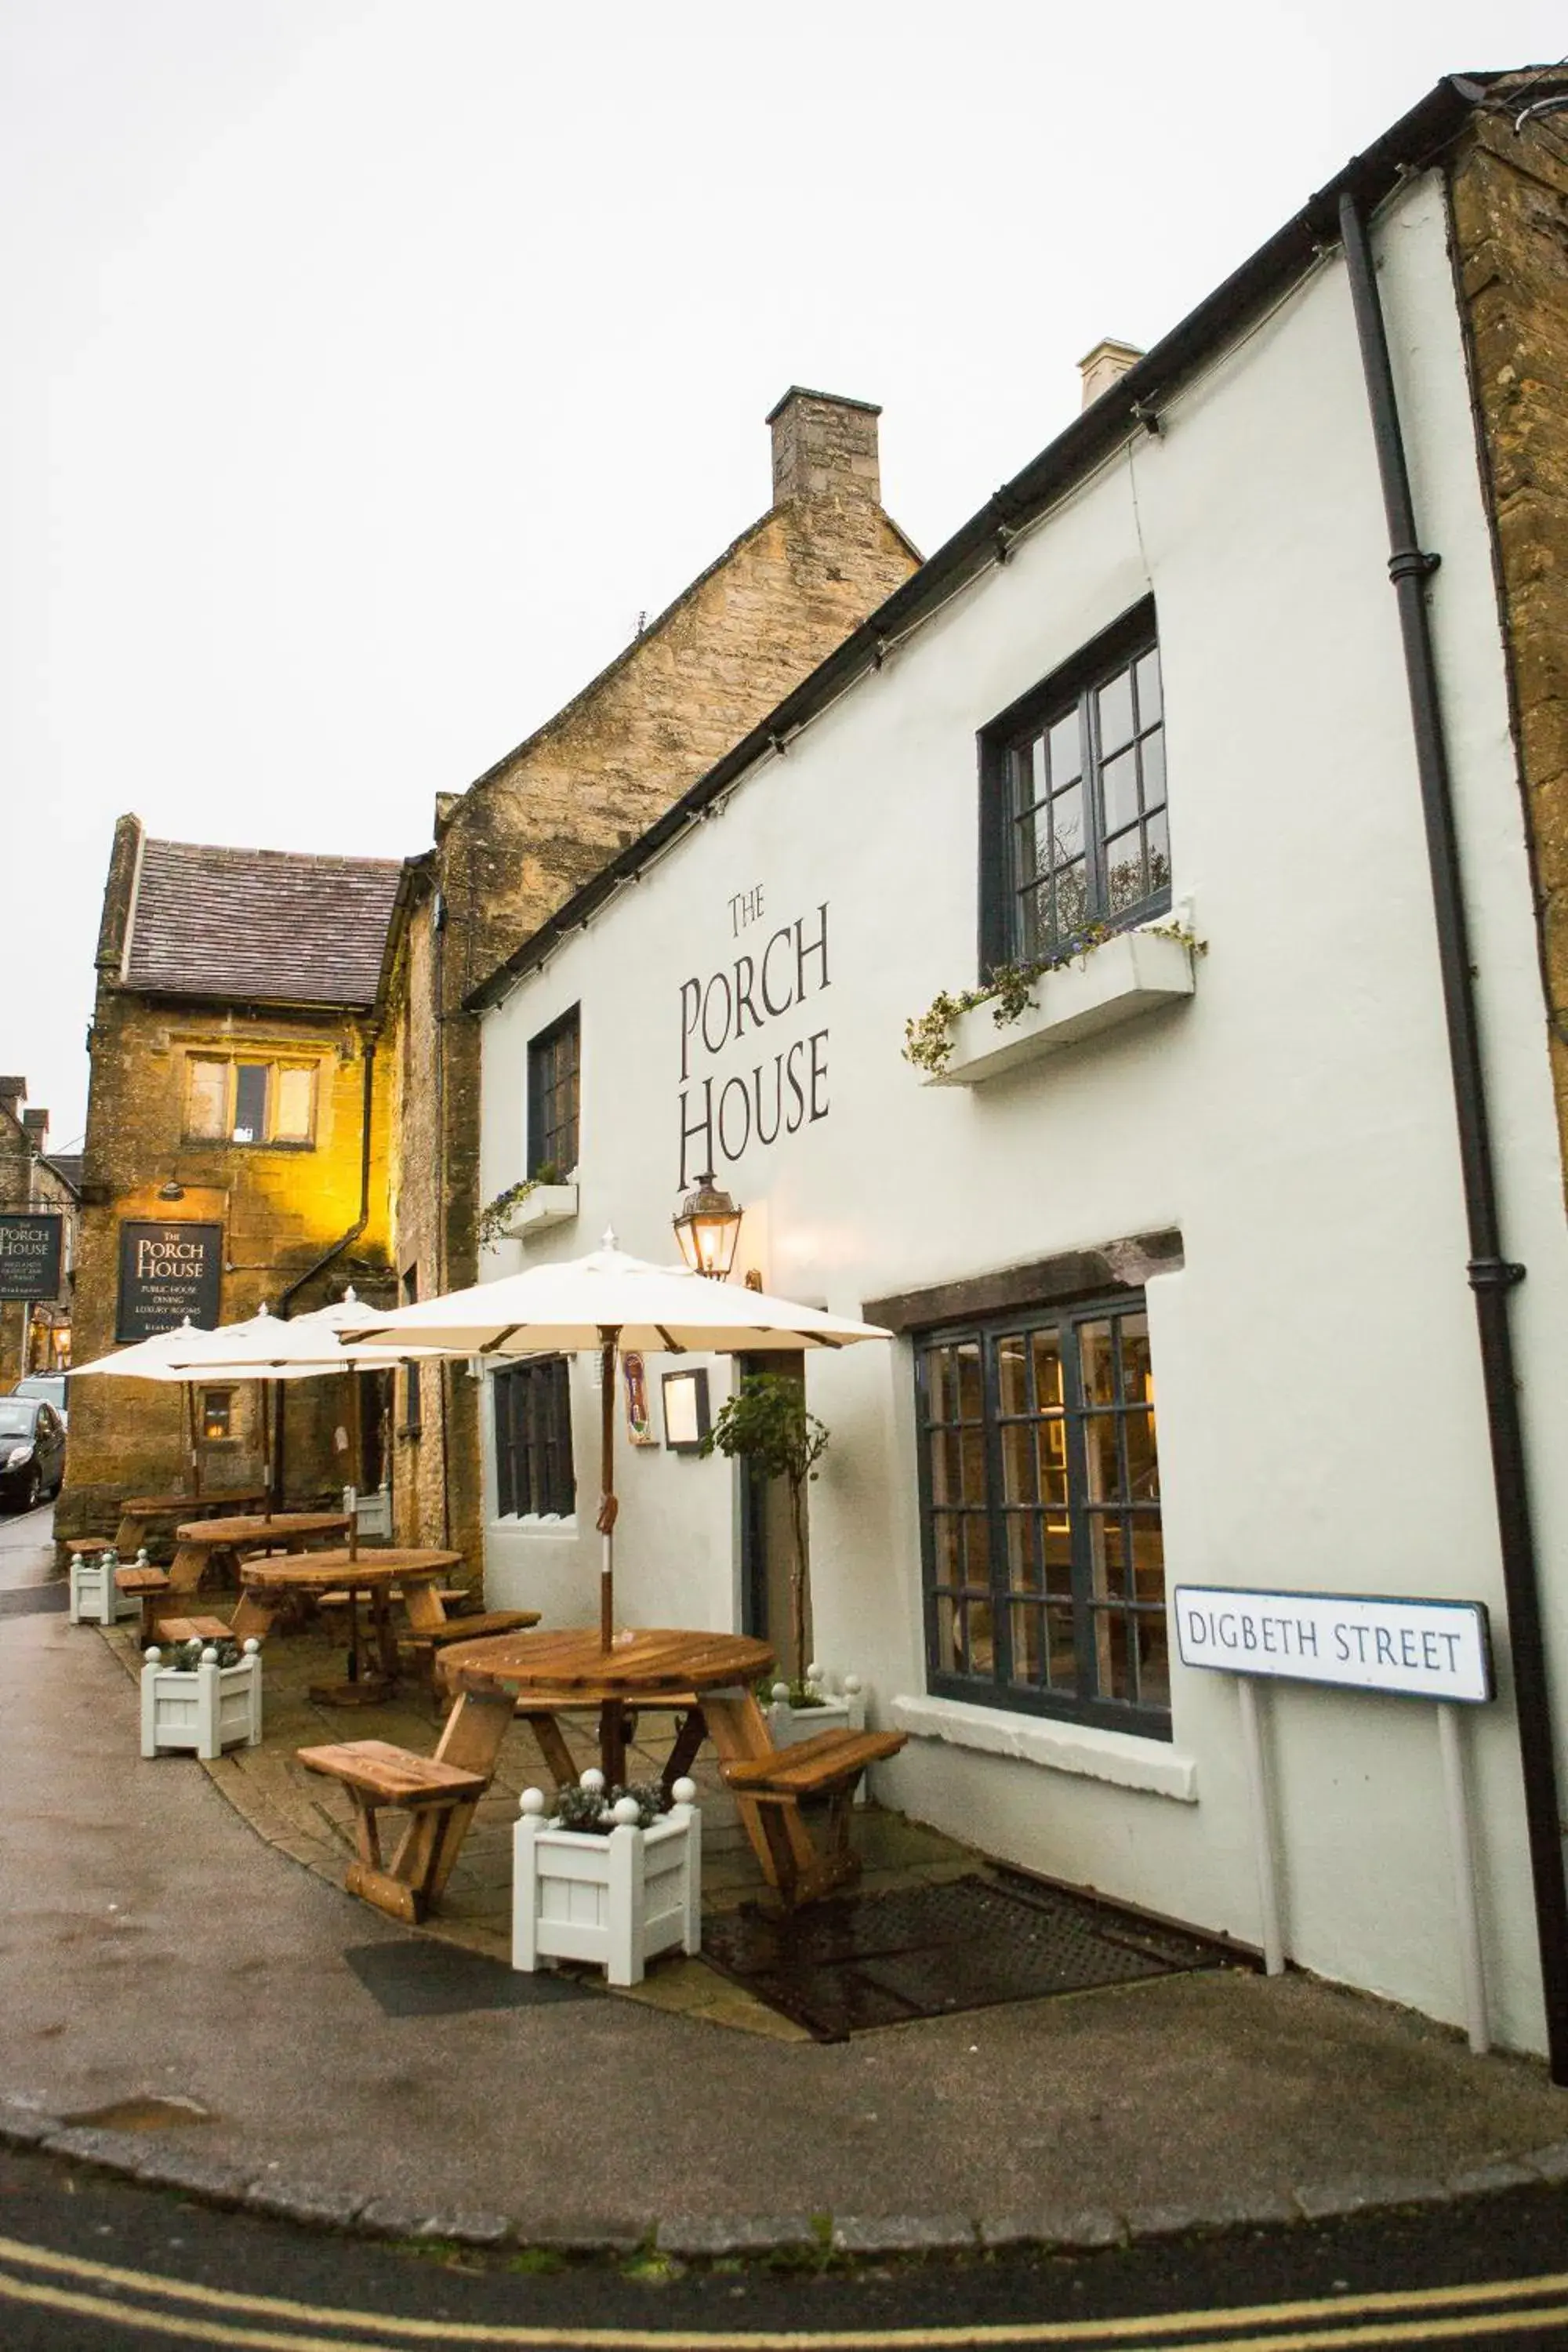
(1412, 1649)
(30, 1256)
(167, 1273)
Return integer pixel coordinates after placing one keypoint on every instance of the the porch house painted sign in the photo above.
(167, 1271)
(1412, 1649)
(722, 1115)
(30, 1256)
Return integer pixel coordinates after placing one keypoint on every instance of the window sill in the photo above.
(533, 1524)
(1125, 977)
(547, 1205)
(1093, 1755)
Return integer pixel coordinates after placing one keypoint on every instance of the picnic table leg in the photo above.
(432, 1841)
(613, 1742)
(739, 1730)
(127, 1535)
(386, 1646)
(689, 1738)
(553, 1748)
(254, 1615)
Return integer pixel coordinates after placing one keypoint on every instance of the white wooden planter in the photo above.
(214, 1708)
(95, 1598)
(615, 1900)
(547, 1205)
(841, 1710)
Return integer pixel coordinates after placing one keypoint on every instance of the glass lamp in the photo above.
(708, 1227)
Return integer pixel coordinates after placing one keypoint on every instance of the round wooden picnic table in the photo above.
(551, 1673)
(137, 1510)
(268, 1582)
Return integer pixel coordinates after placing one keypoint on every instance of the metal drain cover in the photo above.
(842, 1967)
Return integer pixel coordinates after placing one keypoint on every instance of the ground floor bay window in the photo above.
(1045, 1580)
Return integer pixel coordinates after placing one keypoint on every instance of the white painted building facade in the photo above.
(1258, 1140)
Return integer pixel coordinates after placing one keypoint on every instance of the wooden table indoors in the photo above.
(268, 1583)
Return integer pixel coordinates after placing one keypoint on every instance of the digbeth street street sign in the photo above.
(1412, 1649)
(167, 1271)
(30, 1256)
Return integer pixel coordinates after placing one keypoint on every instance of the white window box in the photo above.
(615, 1900)
(95, 1598)
(1133, 973)
(214, 1708)
(547, 1205)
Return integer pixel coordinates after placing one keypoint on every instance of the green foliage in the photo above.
(495, 1214)
(766, 1423)
(184, 1657)
(593, 1809)
(928, 1038)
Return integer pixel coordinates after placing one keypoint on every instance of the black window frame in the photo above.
(1006, 936)
(554, 1071)
(1084, 1702)
(530, 1404)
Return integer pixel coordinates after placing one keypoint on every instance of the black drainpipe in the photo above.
(336, 1250)
(1491, 1275)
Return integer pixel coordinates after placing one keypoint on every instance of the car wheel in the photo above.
(33, 1490)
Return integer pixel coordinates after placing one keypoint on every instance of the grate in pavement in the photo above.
(845, 1966)
(421, 1977)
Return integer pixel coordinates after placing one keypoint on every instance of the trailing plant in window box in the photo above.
(496, 1214)
(927, 1036)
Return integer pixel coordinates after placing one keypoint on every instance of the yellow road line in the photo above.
(1476, 2306)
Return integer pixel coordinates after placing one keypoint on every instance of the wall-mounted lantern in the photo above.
(708, 1227)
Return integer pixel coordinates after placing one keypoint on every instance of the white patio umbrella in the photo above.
(154, 1359)
(610, 1301)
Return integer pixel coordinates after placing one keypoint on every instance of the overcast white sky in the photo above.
(370, 365)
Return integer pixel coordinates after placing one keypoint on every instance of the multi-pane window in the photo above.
(554, 1066)
(1041, 1502)
(217, 1413)
(250, 1102)
(1076, 826)
(533, 1439)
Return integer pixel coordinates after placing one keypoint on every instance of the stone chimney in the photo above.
(1101, 367)
(13, 1095)
(36, 1123)
(825, 447)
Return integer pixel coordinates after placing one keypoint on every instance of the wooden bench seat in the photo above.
(828, 1766)
(439, 1792)
(194, 1628)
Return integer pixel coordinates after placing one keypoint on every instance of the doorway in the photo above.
(766, 1542)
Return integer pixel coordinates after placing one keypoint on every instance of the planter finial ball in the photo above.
(852, 1685)
(151, 1657)
(252, 1647)
(209, 1655)
(781, 1693)
(533, 1802)
(627, 1811)
(594, 1780)
(813, 1672)
(685, 1792)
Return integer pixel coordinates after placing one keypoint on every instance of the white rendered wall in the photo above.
(1321, 1421)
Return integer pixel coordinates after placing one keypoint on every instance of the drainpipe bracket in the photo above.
(1412, 563)
(1494, 1272)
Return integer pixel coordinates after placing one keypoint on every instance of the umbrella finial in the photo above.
(610, 1240)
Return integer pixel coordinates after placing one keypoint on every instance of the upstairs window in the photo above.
(534, 1476)
(554, 1064)
(250, 1101)
(1074, 829)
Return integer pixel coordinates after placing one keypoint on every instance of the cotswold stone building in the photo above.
(35, 1334)
(237, 1147)
(545, 818)
(281, 1053)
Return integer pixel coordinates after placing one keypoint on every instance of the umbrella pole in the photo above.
(353, 1465)
(608, 1334)
(190, 1402)
(266, 1449)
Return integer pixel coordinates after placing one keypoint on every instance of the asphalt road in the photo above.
(97, 2265)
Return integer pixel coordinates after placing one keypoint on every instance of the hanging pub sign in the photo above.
(1410, 1649)
(30, 1256)
(167, 1273)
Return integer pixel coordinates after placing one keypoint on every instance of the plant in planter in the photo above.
(201, 1697)
(95, 1597)
(765, 1422)
(613, 1877)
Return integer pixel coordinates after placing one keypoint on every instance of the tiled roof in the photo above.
(67, 1165)
(261, 925)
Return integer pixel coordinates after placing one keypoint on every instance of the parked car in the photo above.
(32, 1450)
(51, 1387)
